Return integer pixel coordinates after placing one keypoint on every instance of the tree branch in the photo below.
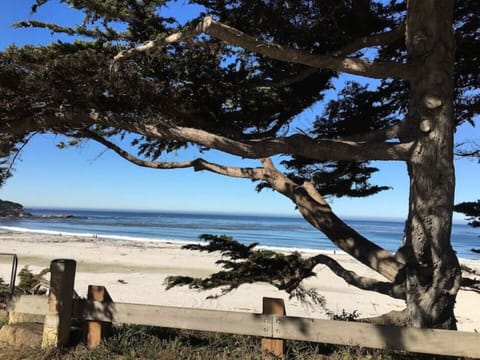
(356, 45)
(392, 318)
(198, 164)
(373, 40)
(361, 282)
(297, 144)
(316, 211)
(245, 264)
(472, 151)
(275, 51)
(472, 284)
(133, 159)
(310, 203)
(286, 81)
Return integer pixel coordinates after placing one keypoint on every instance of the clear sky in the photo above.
(90, 177)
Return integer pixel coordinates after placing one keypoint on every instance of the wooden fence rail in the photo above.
(430, 341)
(99, 311)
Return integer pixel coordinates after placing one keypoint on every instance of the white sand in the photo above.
(143, 266)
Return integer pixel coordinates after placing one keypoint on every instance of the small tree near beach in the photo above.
(235, 79)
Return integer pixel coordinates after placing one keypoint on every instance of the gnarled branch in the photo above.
(361, 282)
(297, 144)
(198, 164)
(275, 51)
(356, 45)
(321, 216)
(310, 203)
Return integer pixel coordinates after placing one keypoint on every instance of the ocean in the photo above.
(286, 232)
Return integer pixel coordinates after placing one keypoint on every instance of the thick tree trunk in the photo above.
(433, 272)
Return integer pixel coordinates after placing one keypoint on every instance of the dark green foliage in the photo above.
(218, 88)
(244, 264)
(467, 102)
(226, 245)
(357, 110)
(30, 283)
(337, 178)
(4, 292)
(344, 315)
(471, 210)
(5, 171)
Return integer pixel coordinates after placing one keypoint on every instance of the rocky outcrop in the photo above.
(12, 209)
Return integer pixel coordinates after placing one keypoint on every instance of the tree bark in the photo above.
(433, 273)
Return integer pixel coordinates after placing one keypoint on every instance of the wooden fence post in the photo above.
(97, 330)
(273, 306)
(56, 328)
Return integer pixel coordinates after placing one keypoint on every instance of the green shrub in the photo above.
(30, 283)
(4, 292)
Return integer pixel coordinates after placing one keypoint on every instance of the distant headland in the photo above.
(10, 209)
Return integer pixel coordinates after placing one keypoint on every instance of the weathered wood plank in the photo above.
(271, 346)
(97, 330)
(430, 341)
(441, 342)
(180, 318)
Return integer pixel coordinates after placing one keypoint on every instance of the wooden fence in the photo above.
(273, 326)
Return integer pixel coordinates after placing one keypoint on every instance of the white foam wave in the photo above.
(90, 235)
(155, 240)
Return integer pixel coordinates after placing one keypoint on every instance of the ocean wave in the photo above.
(90, 235)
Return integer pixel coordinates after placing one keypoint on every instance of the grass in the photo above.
(133, 342)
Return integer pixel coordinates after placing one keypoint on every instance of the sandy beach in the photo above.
(134, 272)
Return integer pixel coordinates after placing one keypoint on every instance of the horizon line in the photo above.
(218, 212)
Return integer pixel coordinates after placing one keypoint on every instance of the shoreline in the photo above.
(122, 240)
(134, 272)
(119, 239)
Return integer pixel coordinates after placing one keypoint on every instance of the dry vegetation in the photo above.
(140, 342)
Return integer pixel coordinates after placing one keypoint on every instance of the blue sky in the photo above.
(90, 177)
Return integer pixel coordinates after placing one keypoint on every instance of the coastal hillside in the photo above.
(12, 209)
